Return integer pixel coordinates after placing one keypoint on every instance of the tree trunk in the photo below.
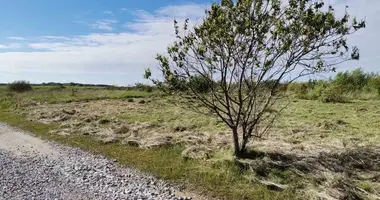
(244, 145)
(245, 139)
(237, 152)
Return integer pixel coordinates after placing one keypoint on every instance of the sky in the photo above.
(114, 41)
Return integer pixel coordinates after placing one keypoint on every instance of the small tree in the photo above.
(245, 49)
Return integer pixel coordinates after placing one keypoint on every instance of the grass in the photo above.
(304, 121)
(357, 120)
(367, 187)
(223, 179)
(62, 95)
(170, 115)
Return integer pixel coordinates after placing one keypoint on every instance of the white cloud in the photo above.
(49, 37)
(10, 46)
(188, 11)
(128, 53)
(104, 24)
(16, 38)
(108, 12)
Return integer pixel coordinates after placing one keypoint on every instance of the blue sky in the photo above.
(46, 17)
(113, 41)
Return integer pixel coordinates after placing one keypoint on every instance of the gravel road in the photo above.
(34, 169)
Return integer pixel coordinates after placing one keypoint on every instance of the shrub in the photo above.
(352, 85)
(19, 86)
(311, 90)
(374, 83)
(332, 94)
(299, 89)
(352, 81)
(318, 90)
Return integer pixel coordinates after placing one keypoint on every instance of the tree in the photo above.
(244, 45)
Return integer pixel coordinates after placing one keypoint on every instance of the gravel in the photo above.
(69, 173)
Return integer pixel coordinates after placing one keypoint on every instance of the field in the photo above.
(315, 150)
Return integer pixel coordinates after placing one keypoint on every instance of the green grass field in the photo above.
(304, 122)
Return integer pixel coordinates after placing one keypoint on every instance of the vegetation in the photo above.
(223, 179)
(144, 87)
(220, 176)
(58, 94)
(245, 49)
(345, 86)
(19, 86)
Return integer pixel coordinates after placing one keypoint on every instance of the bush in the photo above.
(318, 90)
(352, 85)
(333, 94)
(374, 83)
(311, 90)
(299, 89)
(19, 86)
(352, 81)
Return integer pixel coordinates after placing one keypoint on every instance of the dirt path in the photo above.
(21, 143)
(31, 168)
